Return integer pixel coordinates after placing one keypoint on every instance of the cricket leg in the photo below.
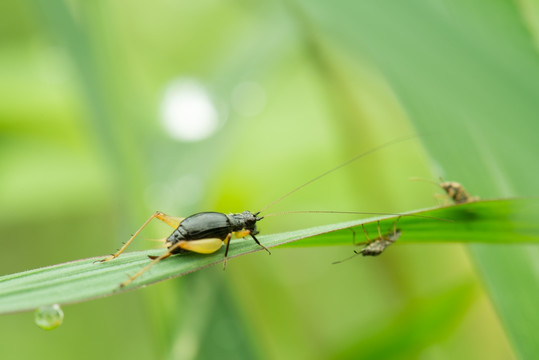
(169, 220)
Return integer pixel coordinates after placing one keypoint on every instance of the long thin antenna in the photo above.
(392, 142)
(354, 213)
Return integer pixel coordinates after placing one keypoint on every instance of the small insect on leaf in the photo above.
(376, 246)
(454, 190)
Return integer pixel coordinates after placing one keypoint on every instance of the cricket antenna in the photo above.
(392, 142)
(355, 213)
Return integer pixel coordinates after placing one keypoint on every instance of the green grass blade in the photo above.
(494, 221)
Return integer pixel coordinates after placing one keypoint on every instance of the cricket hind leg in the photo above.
(200, 246)
(169, 220)
(203, 243)
(155, 260)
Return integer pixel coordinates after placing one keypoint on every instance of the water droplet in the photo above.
(49, 317)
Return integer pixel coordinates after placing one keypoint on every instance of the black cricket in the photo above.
(206, 232)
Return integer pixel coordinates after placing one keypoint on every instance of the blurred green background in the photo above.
(111, 110)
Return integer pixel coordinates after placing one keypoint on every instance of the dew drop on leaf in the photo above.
(49, 317)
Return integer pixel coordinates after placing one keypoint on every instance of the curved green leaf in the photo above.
(493, 221)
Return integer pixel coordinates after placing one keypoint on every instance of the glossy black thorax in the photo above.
(207, 225)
